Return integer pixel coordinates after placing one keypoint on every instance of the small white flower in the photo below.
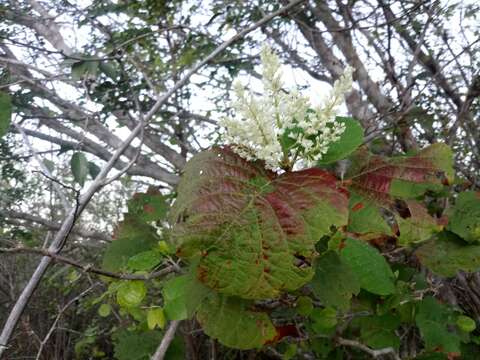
(261, 123)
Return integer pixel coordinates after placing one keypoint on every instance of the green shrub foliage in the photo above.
(304, 260)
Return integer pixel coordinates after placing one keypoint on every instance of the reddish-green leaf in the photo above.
(253, 231)
(365, 218)
(382, 179)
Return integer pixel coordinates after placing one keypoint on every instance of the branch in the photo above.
(374, 353)
(88, 267)
(167, 339)
(295, 58)
(149, 169)
(13, 217)
(58, 189)
(356, 105)
(90, 123)
(49, 75)
(59, 315)
(67, 225)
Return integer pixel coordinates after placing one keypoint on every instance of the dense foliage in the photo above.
(310, 257)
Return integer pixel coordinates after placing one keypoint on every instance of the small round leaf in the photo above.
(466, 323)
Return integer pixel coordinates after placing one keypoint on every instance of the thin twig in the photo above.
(20, 219)
(45, 169)
(59, 315)
(137, 154)
(374, 353)
(166, 341)
(89, 268)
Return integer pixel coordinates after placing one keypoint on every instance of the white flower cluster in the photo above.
(281, 127)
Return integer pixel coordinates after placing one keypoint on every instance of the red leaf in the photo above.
(284, 331)
(373, 176)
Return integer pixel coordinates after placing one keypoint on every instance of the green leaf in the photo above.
(334, 282)
(465, 216)
(290, 352)
(255, 237)
(379, 331)
(132, 237)
(5, 113)
(156, 317)
(369, 266)
(466, 324)
(350, 140)
(321, 347)
(93, 170)
(182, 296)
(433, 320)
(176, 350)
(50, 165)
(418, 227)
(149, 206)
(84, 69)
(135, 345)
(164, 248)
(104, 310)
(175, 294)
(79, 166)
(108, 69)
(144, 261)
(131, 293)
(83, 345)
(229, 320)
(365, 218)
(446, 254)
(304, 305)
(323, 319)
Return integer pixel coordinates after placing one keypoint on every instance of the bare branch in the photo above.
(59, 315)
(166, 341)
(89, 268)
(16, 218)
(58, 189)
(374, 353)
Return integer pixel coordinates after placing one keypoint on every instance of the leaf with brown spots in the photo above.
(253, 231)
